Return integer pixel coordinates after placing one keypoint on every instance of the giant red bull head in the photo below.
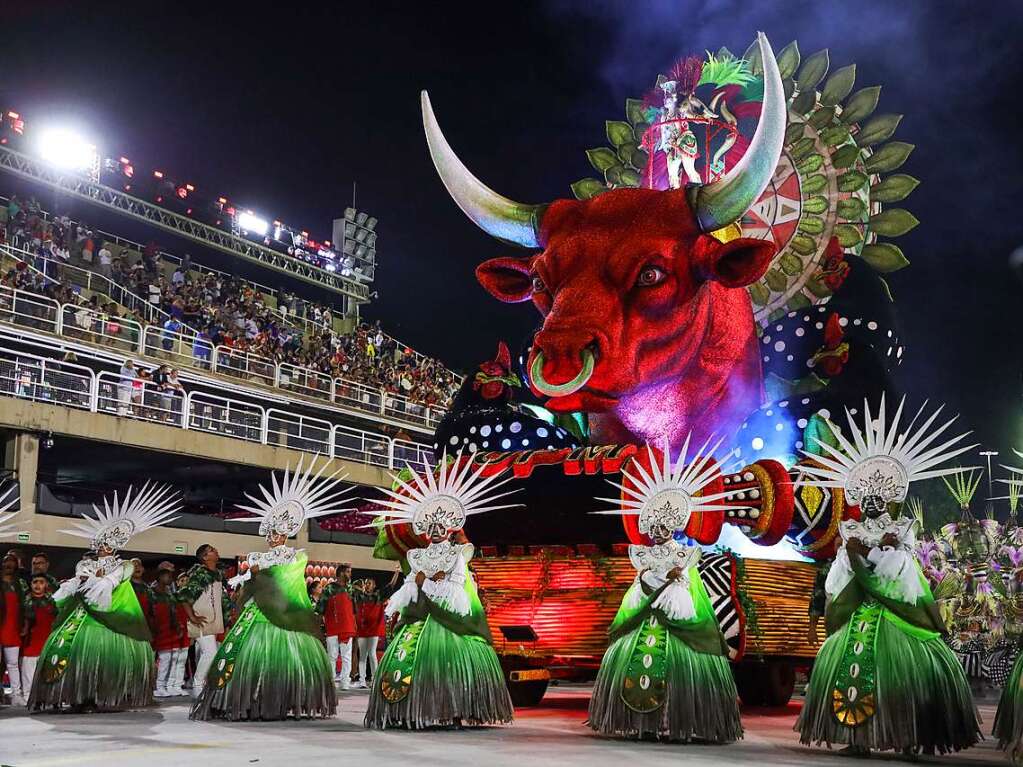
(647, 324)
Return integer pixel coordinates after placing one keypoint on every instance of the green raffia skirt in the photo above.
(696, 700)
(265, 672)
(898, 692)
(430, 676)
(1009, 719)
(84, 663)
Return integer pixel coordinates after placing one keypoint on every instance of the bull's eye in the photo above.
(650, 275)
(538, 286)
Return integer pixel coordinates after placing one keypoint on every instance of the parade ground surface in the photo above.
(553, 733)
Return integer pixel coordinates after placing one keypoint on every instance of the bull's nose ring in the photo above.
(569, 387)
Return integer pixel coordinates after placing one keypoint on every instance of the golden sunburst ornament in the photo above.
(299, 496)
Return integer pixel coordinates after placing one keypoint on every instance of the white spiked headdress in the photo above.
(114, 525)
(879, 460)
(6, 515)
(670, 493)
(446, 499)
(298, 497)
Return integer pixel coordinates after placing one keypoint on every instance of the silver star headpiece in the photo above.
(115, 524)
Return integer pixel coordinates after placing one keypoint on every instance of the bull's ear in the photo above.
(735, 264)
(507, 279)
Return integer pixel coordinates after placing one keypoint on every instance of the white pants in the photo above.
(178, 674)
(338, 648)
(165, 662)
(28, 672)
(11, 661)
(205, 649)
(368, 657)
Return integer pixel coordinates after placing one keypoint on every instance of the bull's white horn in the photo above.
(725, 201)
(498, 216)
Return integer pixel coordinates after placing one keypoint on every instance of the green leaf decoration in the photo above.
(790, 264)
(889, 157)
(835, 136)
(878, 129)
(851, 209)
(848, 235)
(601, 158)
(818, 288)
(803, 244)
(893, 222)
(625, 151)
(639, 131)
(802, 148)
(852, 180)
(586, 188)
(838, 85)
(758, 294)
(630, 177)
(846, 156)
(814, 68)
(811, 225)
(804, 102)
(822, 117)
(797, 302)
(613, 175)
(814, 184)
(894, 188)
(810, 164)
(618, 132)
(861, 104)
(815, 204)
(639, 159)
(788, 87)
(756, 63)
(635, 111)
(788, 60)
(884, 257)
(776, 281)
(794, 132)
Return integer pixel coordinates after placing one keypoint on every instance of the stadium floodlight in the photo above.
(65, 149)
(349, 214)
(371, 223)
(252, 223)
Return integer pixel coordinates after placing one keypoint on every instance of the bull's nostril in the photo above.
(569, 387)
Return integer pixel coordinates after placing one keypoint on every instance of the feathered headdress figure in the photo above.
(115, 524)
(670, 493)
(883, 458)
(963, 486)
(442, 497)
(298, 497)
(7, 516)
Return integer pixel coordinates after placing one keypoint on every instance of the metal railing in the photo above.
(186, 348)
(40, 379)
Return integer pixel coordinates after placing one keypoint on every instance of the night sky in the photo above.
(282, 111)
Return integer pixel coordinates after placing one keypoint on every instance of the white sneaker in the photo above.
(18, 700)
(361, 685)
(344, 685)
(175, 692)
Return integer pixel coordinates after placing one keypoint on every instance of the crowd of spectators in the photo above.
(212, 310)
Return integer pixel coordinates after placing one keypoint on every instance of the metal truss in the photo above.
(227, 242)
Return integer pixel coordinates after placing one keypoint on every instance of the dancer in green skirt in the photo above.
(884, 679)
(440, 669)
(666, 672)
(272, 663)
(99, 655)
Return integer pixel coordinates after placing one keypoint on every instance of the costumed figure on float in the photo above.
(272, 663)
(666, 673)
(99, 654)
(885, 679)
(440, 669)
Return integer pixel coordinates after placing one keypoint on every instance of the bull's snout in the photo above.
(563, 359)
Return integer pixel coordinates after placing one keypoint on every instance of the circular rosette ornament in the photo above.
(682, 496)
(833, 180)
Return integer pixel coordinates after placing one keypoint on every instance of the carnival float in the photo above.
(721, 273)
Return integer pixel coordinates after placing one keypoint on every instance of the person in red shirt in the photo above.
(38, 611)
(370, 626)
(167, 619)
(335, 606)
(12, 594)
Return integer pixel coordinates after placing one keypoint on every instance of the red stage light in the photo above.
(188, 212)
(182, 192)
(127, 187)
(159, 199)
(125, 161)
(128, 171)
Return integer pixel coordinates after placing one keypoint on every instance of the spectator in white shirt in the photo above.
(106, 259)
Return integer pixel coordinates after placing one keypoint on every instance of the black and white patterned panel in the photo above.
(716, 572)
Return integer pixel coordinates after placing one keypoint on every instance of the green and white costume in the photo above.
(99, 652)
(884, 679)
(272, 663)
